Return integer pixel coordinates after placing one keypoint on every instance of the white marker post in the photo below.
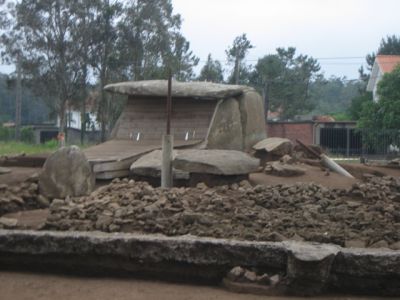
(167, 143)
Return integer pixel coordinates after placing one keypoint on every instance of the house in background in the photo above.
(383, 64)
(73, 115)
(74, 125)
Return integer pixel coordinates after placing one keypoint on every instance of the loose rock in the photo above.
(368, 212)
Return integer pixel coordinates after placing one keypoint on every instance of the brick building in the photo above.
(337, 137)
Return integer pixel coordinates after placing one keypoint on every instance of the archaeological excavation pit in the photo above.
(200, 234)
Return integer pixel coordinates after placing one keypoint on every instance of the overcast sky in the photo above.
(325, 29)
(320, 28)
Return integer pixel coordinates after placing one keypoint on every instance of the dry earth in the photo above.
(31, 286)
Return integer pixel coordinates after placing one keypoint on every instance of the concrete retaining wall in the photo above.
(310, 268)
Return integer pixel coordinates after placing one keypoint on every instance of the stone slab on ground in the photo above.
(275, 145)
(4, 170)
(149, 165)
(8, 222)
(278, 168)
(219, 162)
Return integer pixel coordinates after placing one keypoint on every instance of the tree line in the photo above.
(68, 50)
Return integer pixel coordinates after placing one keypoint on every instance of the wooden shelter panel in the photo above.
(190, 117)
(118, 150)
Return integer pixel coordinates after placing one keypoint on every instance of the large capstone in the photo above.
(66, 172)
(218, 162)
(157, 88)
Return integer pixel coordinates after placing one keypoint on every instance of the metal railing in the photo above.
(359, 142)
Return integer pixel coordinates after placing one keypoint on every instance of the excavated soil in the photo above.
(367, 214)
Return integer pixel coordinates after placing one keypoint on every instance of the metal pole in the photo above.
(348, 142)
(18, 100)
(169, 102)
(167, 143)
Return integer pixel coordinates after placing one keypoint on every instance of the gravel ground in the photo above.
(366, 215)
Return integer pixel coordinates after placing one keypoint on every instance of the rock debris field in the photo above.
(24, 196)
(367, 215)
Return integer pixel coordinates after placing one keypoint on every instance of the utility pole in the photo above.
(167, 142)
(18, 100)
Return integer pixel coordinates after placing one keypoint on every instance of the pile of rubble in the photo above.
(23, 196)
(367, 215)
(279, 157)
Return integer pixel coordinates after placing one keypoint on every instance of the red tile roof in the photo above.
(387, 62)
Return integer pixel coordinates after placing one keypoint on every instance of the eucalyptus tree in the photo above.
(152, 42)
(44, 30)
(106, 57)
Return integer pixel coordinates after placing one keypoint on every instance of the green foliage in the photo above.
(284, 79)
(211, 71)
(14, 148)
(51, 144)
(236, 54)
(384, 114)
(150, 42)
(8, 134)
(239, 49)
(67, 43)
(388, 46)
(27, 135)
(357, 104)
(333, 95)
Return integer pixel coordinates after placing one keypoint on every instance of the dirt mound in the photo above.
(368, 214)
(22, 196)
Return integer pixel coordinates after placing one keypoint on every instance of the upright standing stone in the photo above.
(66, 172)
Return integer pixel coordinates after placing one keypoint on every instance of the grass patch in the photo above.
(15, 148)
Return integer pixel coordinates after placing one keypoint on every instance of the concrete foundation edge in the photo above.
(309, 268)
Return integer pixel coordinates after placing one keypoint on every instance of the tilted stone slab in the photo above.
(275, 145)
(218, 162)
(149, 165)
(251, 107)
(159, 88)
(226, 127)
